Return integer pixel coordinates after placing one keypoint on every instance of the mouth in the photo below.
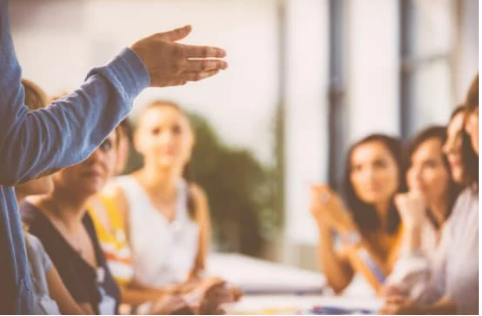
(92, 174)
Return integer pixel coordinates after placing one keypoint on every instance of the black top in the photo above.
(80, 278)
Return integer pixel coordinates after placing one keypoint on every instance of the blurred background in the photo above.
(306, 78)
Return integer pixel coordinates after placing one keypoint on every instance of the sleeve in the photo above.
(420, 276)
(40, 252)
(66, 132)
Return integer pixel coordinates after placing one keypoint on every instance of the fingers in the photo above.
(391, 290)
(396, 299)
(196, 76)
(387, 310)
(191, 51)
(200, 65)
(177, 34)
(178, 83)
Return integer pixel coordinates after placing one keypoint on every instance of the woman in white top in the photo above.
(167, 218)
(448, 283)
(433, 190)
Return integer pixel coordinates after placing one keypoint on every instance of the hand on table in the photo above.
(400, 305)
(170, 305)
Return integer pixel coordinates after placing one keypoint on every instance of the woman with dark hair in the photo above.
(51, 297)
(449, 283)
(427, 205)
(369, 226)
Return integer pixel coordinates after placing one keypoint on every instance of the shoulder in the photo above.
(467, 203)
(29, 212)
(33, 242)
(115, 191)
(197, 192)
(466, 209)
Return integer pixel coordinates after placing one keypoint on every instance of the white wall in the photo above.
(306, 112)
(468, 63)
(373, 67)
(58, 52)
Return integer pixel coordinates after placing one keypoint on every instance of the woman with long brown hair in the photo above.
(449, 284)
(367, 224)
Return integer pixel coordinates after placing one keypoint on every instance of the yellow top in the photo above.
(110, 230)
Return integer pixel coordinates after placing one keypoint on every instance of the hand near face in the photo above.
(411, 207)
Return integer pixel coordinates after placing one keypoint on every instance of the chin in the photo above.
(166, 163)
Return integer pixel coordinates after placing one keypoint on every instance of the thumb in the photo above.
(177, 34)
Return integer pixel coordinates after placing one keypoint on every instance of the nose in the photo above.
(96, 157)
(417, 175)
(448, 146)
(166, 138)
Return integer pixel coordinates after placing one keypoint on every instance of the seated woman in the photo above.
(433, 180)
(369, 225)
(60, 221)
(166, 216)
(50, 294)
(448, 283)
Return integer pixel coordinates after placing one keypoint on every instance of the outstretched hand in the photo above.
(170, 63)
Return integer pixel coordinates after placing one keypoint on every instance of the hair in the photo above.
(35, 97)
(365, 215)
(472, 99)
(470, 159)
(459, 109)
(188, 172)
(437, 132)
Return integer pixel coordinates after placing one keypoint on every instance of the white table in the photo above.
(279, 282)
(292, 304)
(256, 276)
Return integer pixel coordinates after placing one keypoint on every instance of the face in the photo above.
(40, 186)
(90, 176)
(453, 146)
(164, 137)
(472, 128)
(427, 173)
(374, 173)
(122, 151)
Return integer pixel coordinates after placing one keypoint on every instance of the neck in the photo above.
(19, 196)
(382, 209)
(66, 208)
(161, 180)
(439, 210)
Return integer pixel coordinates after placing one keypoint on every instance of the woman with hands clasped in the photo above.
(367, 224)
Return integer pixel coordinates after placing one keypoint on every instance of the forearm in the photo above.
(336, 270)
(137, 296)
(67, 131)
(413, 237)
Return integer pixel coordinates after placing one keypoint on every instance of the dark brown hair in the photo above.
(470, 159)
(440, 133)
(365, 215)
(188, 172)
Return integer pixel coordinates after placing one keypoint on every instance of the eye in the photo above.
(177, 130)
(357, 168)
(155, 131)
(430, 164)
(106, 145)
(379, 163)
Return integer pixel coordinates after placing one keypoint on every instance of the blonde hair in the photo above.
(35, 97)
(153, 105)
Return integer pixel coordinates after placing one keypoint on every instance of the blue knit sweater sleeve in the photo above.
(68, 130)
